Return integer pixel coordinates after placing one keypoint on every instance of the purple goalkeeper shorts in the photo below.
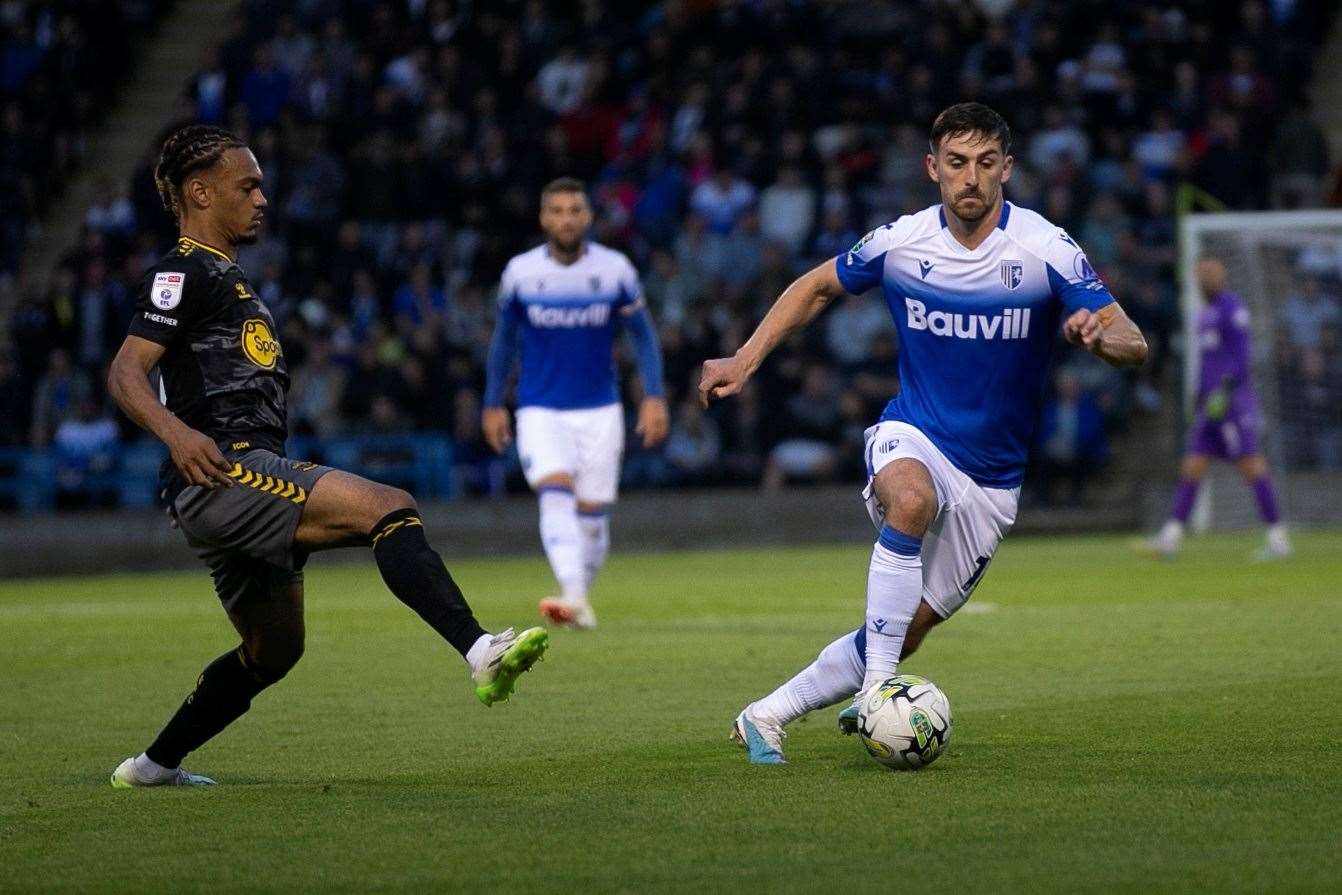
(1232, 438)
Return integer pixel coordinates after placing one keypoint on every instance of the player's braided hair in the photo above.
(187, 150)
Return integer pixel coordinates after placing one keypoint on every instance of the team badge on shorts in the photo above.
(167, 291)
(1012, 273)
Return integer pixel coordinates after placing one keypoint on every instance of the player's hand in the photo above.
(199, 459)
(722, 378)
(654, 421)
(498, 428)
(1084, 328)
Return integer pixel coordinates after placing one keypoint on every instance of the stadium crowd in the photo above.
(727, 147)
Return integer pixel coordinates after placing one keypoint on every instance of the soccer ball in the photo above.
(905, 723)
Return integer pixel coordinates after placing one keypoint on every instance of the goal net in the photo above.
(1287, 267)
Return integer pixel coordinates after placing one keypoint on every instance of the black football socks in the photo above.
(418, 578)
(223, 693)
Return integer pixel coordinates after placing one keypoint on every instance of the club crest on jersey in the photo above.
(166, 292)
(260, 346)
(1012, 273)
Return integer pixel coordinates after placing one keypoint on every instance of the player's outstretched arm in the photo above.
(1108, 334)
(196, 456)
(795, 308)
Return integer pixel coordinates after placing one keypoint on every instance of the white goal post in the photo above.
(1287, 267)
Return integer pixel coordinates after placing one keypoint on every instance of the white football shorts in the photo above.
(586, 444)
(971, 520)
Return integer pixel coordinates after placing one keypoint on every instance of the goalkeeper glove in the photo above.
(1216, 404)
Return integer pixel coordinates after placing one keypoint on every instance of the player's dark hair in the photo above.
(971, 118)
(563, 185)
(188, 150)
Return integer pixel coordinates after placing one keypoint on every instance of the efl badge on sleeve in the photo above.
(167, 289)
(1012, 273)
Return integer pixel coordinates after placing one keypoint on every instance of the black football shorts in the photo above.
(245, 533)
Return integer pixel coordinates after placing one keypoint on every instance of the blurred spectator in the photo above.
(787, 210)
(58, 395)
(1072, 443)
(723, 200)
(727, 146)
(694, 448)
(85, 444)
(809, 453)
(1298, 160)
(1308, 312)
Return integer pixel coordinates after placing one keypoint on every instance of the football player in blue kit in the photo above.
(977, 288)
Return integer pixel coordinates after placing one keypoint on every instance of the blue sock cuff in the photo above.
(860, 644)
(560, 488)
(896, 541)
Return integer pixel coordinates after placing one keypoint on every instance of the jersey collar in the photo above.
(582, 256)
(957, 245)
(196, 244)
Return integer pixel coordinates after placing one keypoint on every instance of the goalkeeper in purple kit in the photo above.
(1227, 424)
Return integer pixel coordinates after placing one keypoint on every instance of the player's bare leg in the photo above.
(1253, 469)
(345, 510)
(270, 623)
(563, 538)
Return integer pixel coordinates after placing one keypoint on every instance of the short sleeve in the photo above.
(1071, 278)
(169, 298)
(508, 291)
(863, 266)
(631, 290)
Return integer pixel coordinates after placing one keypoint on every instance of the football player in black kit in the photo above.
(249, 512)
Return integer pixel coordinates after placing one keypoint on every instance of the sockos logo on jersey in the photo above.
(259, 345)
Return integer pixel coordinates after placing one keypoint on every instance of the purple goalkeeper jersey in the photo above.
(1223, 339)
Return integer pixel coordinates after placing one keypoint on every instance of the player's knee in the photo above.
(389, 500)
(910, 510)
(1192, 468)
(274, 657)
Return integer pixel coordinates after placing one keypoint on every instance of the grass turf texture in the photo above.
(1120, 724)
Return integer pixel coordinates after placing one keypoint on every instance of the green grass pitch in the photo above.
(1120, 725)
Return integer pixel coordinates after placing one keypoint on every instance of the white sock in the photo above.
(476, 654)
(835, 675)
(595, 542)
(894, 589)
(149, 770)
(1277, 538)
(563, 542)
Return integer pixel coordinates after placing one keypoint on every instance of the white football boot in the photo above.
(508, 656)
(128, 776)
(1275, 546)
(761, 737)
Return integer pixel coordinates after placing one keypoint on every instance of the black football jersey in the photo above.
(223, 371)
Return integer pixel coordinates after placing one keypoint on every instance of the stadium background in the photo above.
(727, 146)
(1122, 724)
